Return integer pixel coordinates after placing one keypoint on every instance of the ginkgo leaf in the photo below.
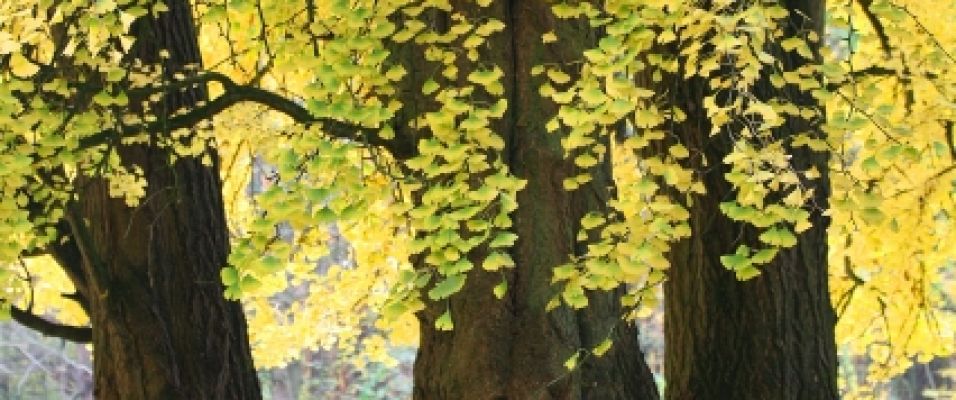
(602, 347)
(7, 43)
(558, 76)
(592, 220)
(678, 151)
(444, 322)
(764, 256)
(229, 276)
(572, 362)
(501, 289)
(497, 260)
(447, 287)
(778, 236)
(21, 67)
(738, 260)
(503, 239)
(549, 37)
(249, 284)
(747, 272)
(485, 77)
(429, 87)
(489, 27)
(585, 160)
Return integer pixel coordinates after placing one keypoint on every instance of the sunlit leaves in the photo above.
(887, 130)
(21, 67)
(891, 216)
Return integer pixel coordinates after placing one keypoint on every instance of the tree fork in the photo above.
(514, 348)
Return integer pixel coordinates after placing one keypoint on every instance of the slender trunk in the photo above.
(771, 337)
(921, 377)
(161, 327)
(513, 348)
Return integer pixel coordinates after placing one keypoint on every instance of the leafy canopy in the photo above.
(307, 94)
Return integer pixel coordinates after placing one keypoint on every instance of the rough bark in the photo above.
(513, 348)
(771, 337)
(161, 327)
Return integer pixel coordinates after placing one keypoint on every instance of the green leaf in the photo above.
(429, 87)
(229, 276)
(738, 260)
(325, 215)
(496, 260)
(572, 361)
(558, 76)
(872, 216)
(393, 310)
(764, 256)
(444, 322)
(483, 194)
(592, 220)
(574, 296)
(271, 263)
(602, 348)
(747, 273)
(447, 287)
(249, 283)
(503, 239)
(485, 77)
(501, 289)
(734, 262)
(781, 237)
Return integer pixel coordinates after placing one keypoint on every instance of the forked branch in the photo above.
(235, 93)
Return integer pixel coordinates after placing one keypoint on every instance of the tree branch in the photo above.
(63, 248)
(877, 27)
(78, 334)
(876, 71)
(234, 94)
(68, 256)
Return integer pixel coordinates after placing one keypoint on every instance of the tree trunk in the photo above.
(919, 378)
(771, 337)
(161, 326)
(513, 348)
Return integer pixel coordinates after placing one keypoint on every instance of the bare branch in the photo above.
(78, 334)
(876, 71)
(877, 27)
(234, 94)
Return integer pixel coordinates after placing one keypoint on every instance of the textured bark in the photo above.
(161, 327)
(771, 337)
(513, 348)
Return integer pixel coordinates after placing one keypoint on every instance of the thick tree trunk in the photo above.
(161, 327)
(771, 337)
(512, 348)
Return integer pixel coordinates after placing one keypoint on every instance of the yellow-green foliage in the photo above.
(891, 131)
(883, 86)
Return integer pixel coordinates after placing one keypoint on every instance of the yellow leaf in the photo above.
(558, 76)
(21, 67)
(549, 37)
